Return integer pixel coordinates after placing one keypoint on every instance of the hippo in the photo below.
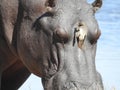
(53, 39)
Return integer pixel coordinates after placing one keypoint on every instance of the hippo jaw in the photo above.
(77, 70)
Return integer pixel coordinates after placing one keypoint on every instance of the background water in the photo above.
(108, 51)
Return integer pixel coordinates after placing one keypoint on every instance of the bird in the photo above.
(80, 34)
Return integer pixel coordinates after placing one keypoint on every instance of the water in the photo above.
(108, 53)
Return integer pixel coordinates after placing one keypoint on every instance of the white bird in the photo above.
(80, 33)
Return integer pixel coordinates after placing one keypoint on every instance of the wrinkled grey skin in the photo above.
(43, 40)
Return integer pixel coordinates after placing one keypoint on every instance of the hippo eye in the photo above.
(50, 3)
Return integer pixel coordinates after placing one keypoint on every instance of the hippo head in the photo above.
(56, 40)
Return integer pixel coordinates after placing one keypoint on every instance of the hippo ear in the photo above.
(49, 5)
(97, 4)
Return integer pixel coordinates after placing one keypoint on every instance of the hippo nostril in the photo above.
(61, 35)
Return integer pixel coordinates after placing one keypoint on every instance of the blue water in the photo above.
(108, 51)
